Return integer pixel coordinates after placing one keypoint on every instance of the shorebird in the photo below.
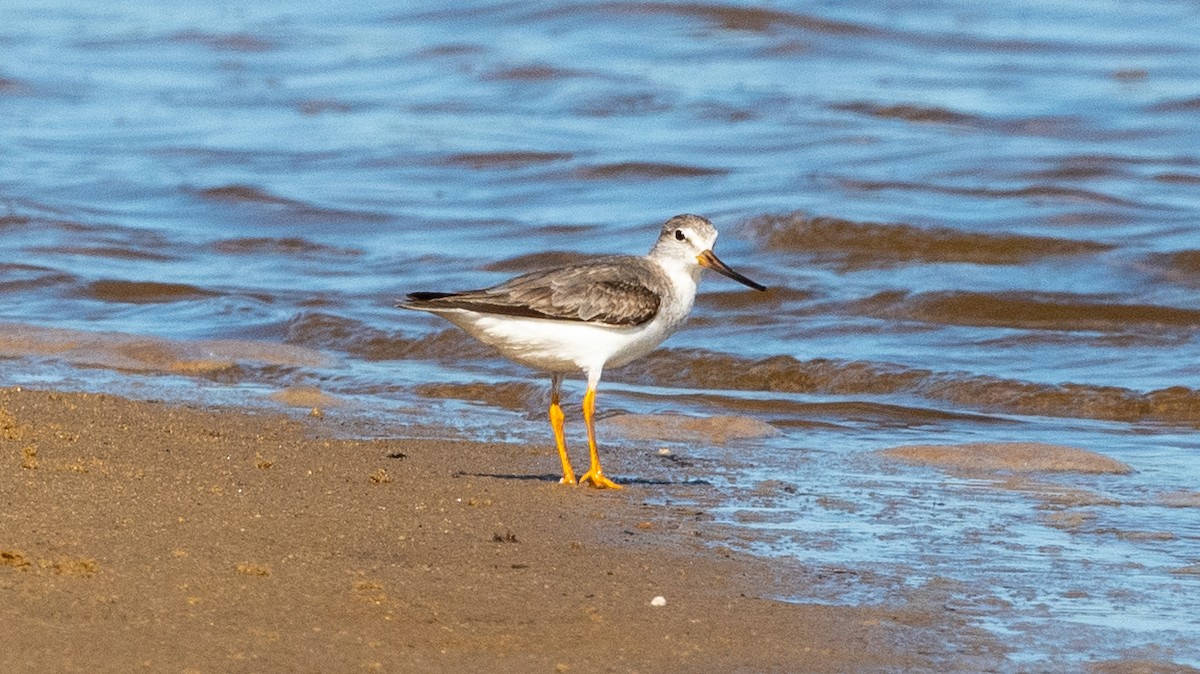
(586, 316)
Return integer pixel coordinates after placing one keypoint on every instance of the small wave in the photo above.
(858, 245)
(14, 221)
(881, 414)
(1130, 75)
(725, 112)
(1029, 311)
(535, 261)
(1182, 267)
(697, 368)
(1177, 105)
(14, 87)
(932, 114)
(107, 252)
(1069, 194)
(231, 42)
(293, 208)
(623, 103)
(321, 106)
(1178, 178)
(720, 429)
(784, 412)
(141, 353)
(518, 396)
(25, 278)
(42, 224)
(730, 17)
(1184, 262)
(326, 331)
(506, 160)
(694, 368)
(537, 72)
(1079, 168)
(87, 239)
(738, 305)
(451, 51)
(145, 292)
(290, 246)
(1181, 499)
(910, 113)
(1104, 340)
(636, 170)
(244, 194)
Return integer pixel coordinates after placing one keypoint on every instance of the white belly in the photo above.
(563, 346)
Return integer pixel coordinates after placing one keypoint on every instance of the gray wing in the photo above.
(619, 291)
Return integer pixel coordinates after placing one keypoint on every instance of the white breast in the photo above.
(671, 315)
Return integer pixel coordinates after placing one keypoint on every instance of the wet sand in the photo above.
(140, 536)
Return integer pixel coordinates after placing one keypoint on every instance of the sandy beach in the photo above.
(140, 536)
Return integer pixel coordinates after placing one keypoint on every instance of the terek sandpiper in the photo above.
(586, 316)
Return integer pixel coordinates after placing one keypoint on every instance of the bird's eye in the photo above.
(679, 235)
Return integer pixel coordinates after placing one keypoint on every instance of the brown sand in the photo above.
(1009, 457)
(138, 536)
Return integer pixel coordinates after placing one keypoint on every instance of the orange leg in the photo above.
(556, 423)
(594, 475)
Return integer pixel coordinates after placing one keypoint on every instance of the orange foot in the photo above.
(596, 478)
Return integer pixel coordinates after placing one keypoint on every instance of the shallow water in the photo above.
(978, 223)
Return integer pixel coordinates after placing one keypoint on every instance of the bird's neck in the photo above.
(684, 279)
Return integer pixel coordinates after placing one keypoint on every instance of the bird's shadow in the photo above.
(554, 477)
